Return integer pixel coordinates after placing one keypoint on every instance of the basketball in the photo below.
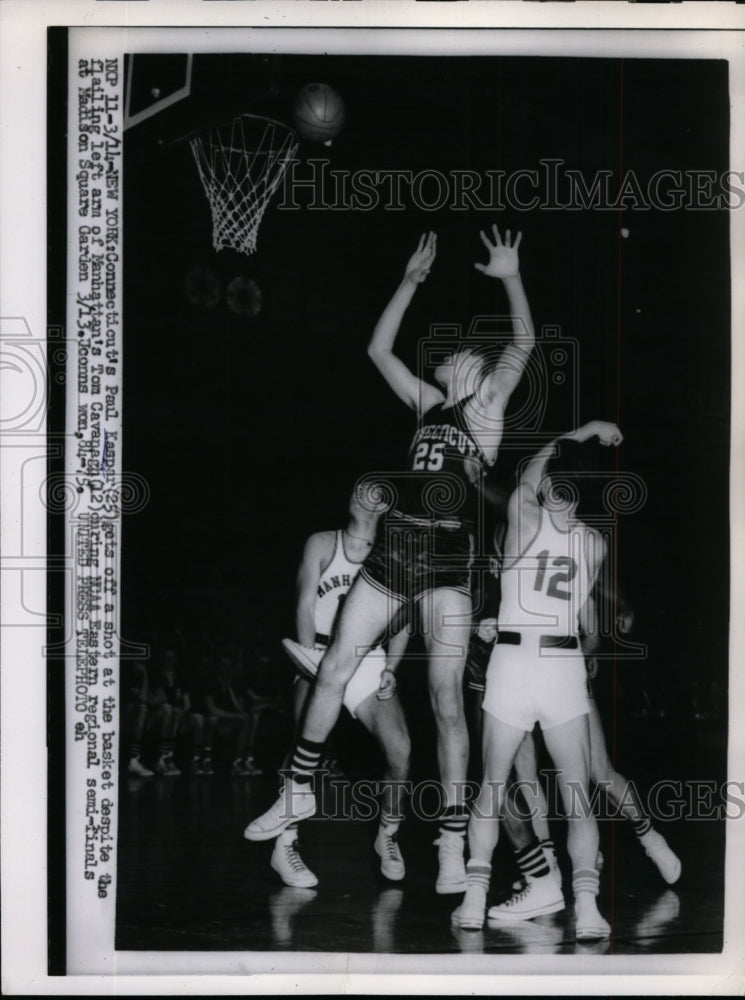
(318, 113)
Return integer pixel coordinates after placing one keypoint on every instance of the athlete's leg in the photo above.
(500, 744)
(300, 694)
(446, 616)
(386, 722)
(526, 769)
(626, 799)
(365, 615)
(569, 747)
(525, 815)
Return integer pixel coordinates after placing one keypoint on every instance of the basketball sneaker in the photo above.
(295, 802)
(657, 850)
(470, 942)
(553, 869)
(391, 861)
(305, 658)
(452, 874)
(589, 925)
(288, 864)
(540, 896)
(138, 769)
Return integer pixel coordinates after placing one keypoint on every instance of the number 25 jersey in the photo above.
(446, 467)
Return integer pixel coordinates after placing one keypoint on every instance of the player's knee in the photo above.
(447, 704)
(334, 674)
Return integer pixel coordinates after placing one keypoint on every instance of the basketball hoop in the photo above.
(241, 165)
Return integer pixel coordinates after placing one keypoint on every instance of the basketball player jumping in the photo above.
(537, 672)
(331, 561)
(423, 556)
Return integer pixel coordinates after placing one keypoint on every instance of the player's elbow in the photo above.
(376, 354)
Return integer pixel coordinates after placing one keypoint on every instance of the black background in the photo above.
(251, 432)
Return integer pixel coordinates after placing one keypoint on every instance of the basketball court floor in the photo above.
(189, 881)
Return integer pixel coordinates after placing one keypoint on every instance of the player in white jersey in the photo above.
(331, 561)
(537, 674)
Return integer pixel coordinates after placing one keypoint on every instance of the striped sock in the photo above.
(305, 760)
(478, 874)
(532, 861)
(548, 845)
(134, 750)
(390, 824)
(454, 819)
(642, 826)
(586, 880)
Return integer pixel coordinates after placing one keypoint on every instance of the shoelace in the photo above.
(296, 862)
(518, 898)
(391, 847)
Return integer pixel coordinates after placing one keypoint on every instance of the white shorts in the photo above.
(526, 684)
(366, 680)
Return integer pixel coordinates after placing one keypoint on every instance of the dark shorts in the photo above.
(411, 558)
(479, 653)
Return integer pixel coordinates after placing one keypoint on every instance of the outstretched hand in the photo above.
(608, 433)
(422, 259)
(503, 260)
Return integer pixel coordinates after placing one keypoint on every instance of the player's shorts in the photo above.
(528, 683)
(365, 681)
(477, 662)
(413, 556)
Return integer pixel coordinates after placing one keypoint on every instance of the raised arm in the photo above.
(606, 432)
(504, 264)
(416, 393)
(315, 555)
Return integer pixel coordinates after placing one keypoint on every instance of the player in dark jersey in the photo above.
(424, 553)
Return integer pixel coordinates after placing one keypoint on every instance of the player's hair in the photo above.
(576, 472)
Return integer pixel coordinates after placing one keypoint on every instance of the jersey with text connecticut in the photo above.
(446, 467)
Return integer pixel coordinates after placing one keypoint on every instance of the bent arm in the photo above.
(308, 577)
(532, 474)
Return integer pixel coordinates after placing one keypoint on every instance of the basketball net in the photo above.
(241, 165)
